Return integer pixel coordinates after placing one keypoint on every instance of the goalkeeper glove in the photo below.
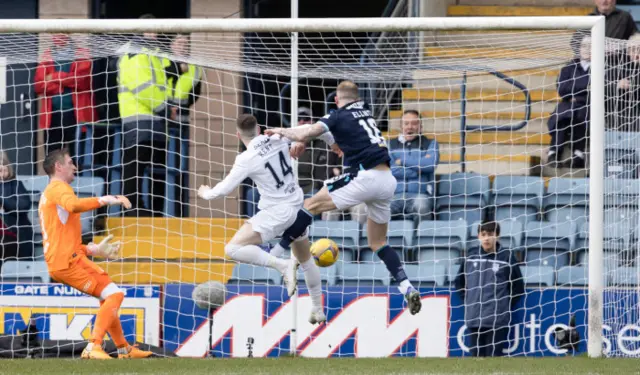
(110, 200)
(105, 249)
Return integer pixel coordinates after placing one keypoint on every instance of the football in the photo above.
(325, 252)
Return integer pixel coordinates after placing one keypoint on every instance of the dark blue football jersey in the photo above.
(355, 131)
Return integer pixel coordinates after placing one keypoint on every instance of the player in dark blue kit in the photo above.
(367, 179)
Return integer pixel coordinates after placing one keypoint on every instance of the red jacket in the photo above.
(78, 79)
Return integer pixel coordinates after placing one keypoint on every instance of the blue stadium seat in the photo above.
(442, 235)
(625, 276)
(422, 275)
(327, 274)
(34, 185)
(452, 272)
(538, 276)
(517, 197)
(621, 154)
(351, 274)
(399, 237)
(511, 234)
(611, 259)
(345, 233)
(573, 276)
(438, 257)
(249, 274)
(86, 187)
(549, 244)
(619, 225)
(567, 199)
(462, 196)
(620, 192)
(25, 272)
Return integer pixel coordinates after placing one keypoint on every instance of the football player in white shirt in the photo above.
(268, 163)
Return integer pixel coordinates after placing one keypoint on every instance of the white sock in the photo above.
(252, 254)
(89, 347)
(312, 279)
(404, 286)
(277, 251)
(123, 350)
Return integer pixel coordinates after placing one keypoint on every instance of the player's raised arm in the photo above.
(302, 133)
(238, 173)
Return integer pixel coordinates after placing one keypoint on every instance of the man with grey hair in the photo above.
(619, 24)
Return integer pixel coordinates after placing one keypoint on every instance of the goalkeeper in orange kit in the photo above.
(66, 256)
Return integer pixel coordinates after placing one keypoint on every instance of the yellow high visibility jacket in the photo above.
(185, 90)
(142, 91)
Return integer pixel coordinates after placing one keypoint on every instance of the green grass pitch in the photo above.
(298, 366)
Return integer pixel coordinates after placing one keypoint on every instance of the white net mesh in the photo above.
(485, 100)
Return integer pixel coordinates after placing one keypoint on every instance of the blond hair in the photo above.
(4, 161)
(347, 91)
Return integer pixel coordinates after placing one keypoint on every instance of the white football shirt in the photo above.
(267, 162)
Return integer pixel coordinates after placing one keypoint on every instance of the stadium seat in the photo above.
(462, 196)
(611, 259)
(438, 257)
(538, 276)
(567, 199)
(621, 154)
(345, 233)
(452, 272)
(249, 274)
(619, 192)
(625, 276)
(399, 237)
(573, 276)
(442, 235)
(517, 197)
(351, 274)
(86, 187)
(422, 275)
(619, 225)
(549, 244)
(511, 234)
(25, 272)
(327, 274)
(35, 185)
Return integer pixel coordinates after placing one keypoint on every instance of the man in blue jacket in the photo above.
(490, 284)
(414, 159)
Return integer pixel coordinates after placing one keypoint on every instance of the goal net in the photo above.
(482, 125)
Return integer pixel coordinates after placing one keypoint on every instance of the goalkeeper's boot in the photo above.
(95, 353)
(134, 352)
(414, 301)
(290, 276)
(317, 316)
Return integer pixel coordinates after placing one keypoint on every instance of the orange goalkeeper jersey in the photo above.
(59, 212)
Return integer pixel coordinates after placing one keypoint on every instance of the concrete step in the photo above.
(484, 95)
(122, 272)
(486, 138)
(167, 227)
(538, 109)
(452, 125)
(490, 164)
(532, 79)
(514, 11)
(171, 247)
(516, 51)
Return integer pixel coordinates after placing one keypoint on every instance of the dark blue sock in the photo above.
(393, 263)
(297, 228)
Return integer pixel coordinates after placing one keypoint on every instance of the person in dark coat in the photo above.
(16, 233)
(568, 124)
(489, 283)
(627, 88)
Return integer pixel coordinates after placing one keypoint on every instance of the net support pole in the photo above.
(596, 191)
(293, 341)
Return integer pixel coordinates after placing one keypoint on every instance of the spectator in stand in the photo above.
(63, 83)
(619, 24)
(628, 88)
(490, 284)
(414, 159)
(185, 84)
(569, 123)
(142, 100)
(16, 233)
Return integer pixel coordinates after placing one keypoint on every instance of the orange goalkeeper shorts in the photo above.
(83, 275)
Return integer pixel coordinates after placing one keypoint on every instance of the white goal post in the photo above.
(596, 25)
